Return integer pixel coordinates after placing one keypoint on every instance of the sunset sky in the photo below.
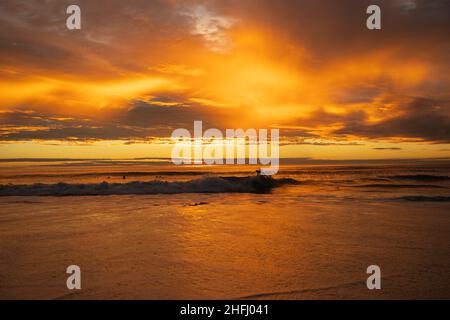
(139, 69)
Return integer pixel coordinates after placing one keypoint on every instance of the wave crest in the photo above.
(254, 184)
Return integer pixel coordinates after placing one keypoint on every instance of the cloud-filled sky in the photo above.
(139, 69)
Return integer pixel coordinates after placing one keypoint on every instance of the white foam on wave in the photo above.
(254, 184)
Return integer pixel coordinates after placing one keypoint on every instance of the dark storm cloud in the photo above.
(320, 117)
(34, 32)
(142, 120)
(29, 125)
(146, 114)
(422, 118)
(359, 94)
(34, 53)
(332, 28)
(419, 118)
(81, 133)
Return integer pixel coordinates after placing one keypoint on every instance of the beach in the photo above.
(309, 240)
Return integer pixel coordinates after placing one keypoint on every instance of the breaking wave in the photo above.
(253, 184)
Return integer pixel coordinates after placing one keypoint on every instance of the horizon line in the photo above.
(290, 160)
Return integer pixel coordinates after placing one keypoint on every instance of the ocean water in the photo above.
(156, 231)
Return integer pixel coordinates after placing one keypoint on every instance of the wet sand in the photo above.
(216, 246)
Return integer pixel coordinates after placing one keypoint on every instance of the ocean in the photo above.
(151, 230)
